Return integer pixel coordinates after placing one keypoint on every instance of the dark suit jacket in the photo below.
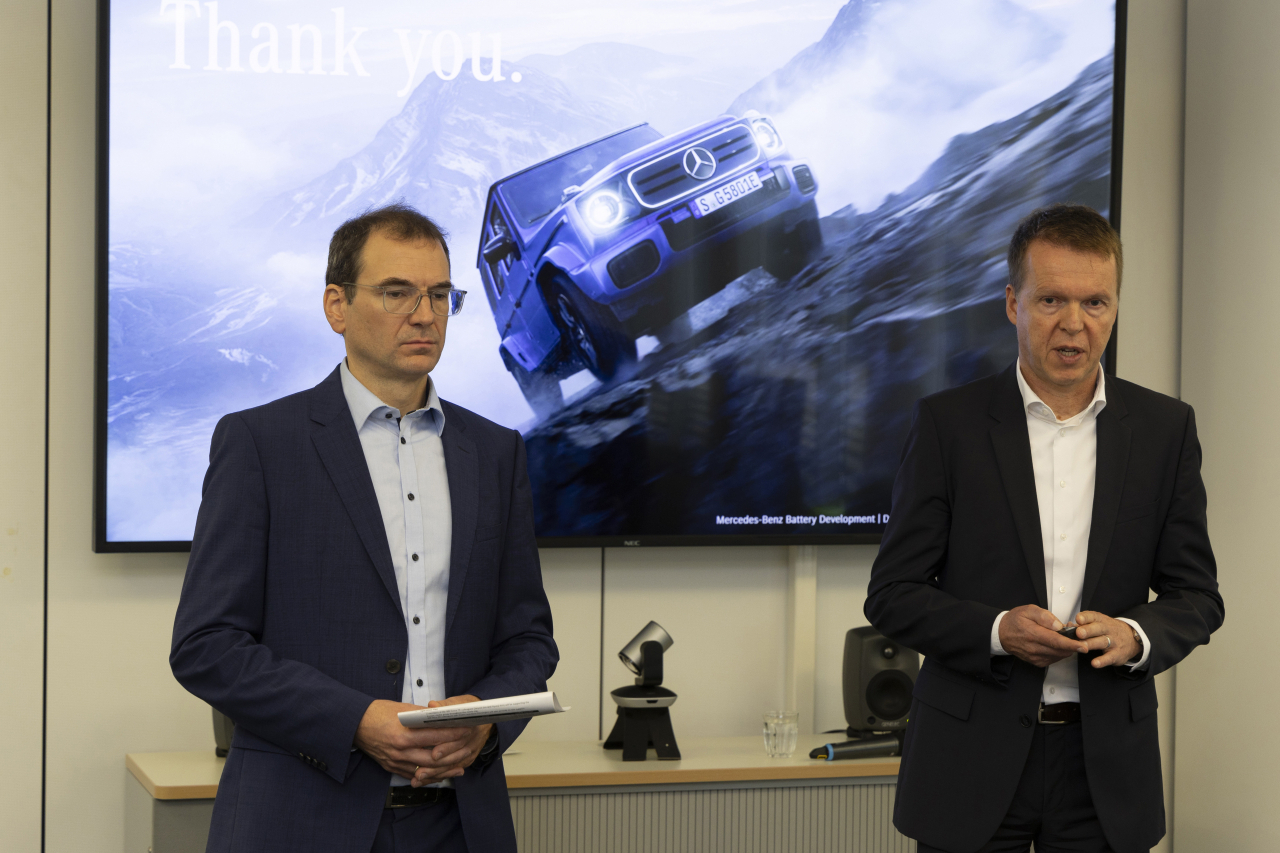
(963, 543)
(290, 619)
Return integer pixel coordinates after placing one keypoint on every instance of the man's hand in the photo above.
(422, 755)
(1031, 633)
(468, 745)
(1096, 627)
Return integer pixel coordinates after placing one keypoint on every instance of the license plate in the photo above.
(727, 194)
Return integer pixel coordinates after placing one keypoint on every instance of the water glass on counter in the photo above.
(780, 731)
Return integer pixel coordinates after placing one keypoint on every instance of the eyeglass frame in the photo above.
(461, 294)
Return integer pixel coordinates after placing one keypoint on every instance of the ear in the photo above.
(1011, 304)
(335, 308)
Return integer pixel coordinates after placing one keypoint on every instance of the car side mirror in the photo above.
(498, 247)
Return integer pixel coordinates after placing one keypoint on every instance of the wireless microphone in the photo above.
(877, 746)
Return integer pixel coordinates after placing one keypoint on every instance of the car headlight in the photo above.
(766, 134)
(608, 207)
(603, 209)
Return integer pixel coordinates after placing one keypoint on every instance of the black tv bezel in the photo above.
(102, 545)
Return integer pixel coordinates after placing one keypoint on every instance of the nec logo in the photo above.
(631, 543)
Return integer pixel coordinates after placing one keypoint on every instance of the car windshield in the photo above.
(537, 192)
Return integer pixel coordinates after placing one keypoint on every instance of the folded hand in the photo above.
(422, 755)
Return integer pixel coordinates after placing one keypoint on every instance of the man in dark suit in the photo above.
(1046, 496)
(363, 548)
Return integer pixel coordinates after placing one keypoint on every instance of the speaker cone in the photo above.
(889, 694)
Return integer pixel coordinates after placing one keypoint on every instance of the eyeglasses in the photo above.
(402, 299)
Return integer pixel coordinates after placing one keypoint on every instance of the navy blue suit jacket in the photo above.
(963, 543)
(290, 620)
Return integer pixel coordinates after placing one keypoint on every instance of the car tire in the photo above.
(591, 333)
(541, 389)
(797, 249)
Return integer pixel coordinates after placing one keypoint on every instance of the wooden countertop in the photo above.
(177, 775)
(550, 764)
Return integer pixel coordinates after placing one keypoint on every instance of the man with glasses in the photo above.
(364, 548)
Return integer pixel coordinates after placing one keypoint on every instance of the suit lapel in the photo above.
(1114, 438)
(463, 467)
(1012, 446)
(334, 434)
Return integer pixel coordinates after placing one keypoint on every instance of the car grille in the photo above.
(664, 180)
(682, 235)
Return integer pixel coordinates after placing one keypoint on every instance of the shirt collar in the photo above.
(1039, 409)
(364, 404)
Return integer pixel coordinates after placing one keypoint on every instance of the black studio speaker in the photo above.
(224, 729)
(879, 675)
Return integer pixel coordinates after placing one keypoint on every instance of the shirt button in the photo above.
(419, 682)
(415, 556)
(402, 441)
(1062, 589)
(1063, 537)
(1062, 432)
(1062, 483)
(1053, 690)
(393, 666)
(388, 416)
(411, 496)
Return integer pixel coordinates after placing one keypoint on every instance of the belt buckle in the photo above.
(423, 796)
(1042, 721)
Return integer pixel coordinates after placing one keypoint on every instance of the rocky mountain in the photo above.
(442, 151)
(813, 66)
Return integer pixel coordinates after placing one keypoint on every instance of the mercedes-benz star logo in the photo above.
(699, 163)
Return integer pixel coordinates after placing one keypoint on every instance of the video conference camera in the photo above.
(644, 716)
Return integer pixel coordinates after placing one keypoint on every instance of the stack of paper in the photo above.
(484, 711)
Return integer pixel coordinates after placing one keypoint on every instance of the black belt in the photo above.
(403, 796)
(1062, 712)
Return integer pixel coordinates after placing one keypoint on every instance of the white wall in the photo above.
(22, 418)
(726, 610)
(109, 689)
(1151, 226)
(110, 615)
(1228, 779)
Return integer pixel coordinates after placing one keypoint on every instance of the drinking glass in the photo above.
(780, 731)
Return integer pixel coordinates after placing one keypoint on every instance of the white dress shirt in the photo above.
(1064, 457)
(406, 461)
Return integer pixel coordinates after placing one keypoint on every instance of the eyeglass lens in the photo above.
(404, 300)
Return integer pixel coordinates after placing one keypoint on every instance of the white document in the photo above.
(484, 711)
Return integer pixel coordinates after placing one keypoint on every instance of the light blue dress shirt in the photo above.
(405, 456)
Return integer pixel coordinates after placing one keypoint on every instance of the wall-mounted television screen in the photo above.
(715, 250)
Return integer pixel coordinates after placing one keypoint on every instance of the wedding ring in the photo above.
(1108, 640)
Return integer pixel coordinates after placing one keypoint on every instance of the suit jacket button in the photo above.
(393, 666)
(1025, 720)
(323, 766)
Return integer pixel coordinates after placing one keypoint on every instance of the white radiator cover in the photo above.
(775, 817)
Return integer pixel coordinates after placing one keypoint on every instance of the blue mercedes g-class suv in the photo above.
(584, 252)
